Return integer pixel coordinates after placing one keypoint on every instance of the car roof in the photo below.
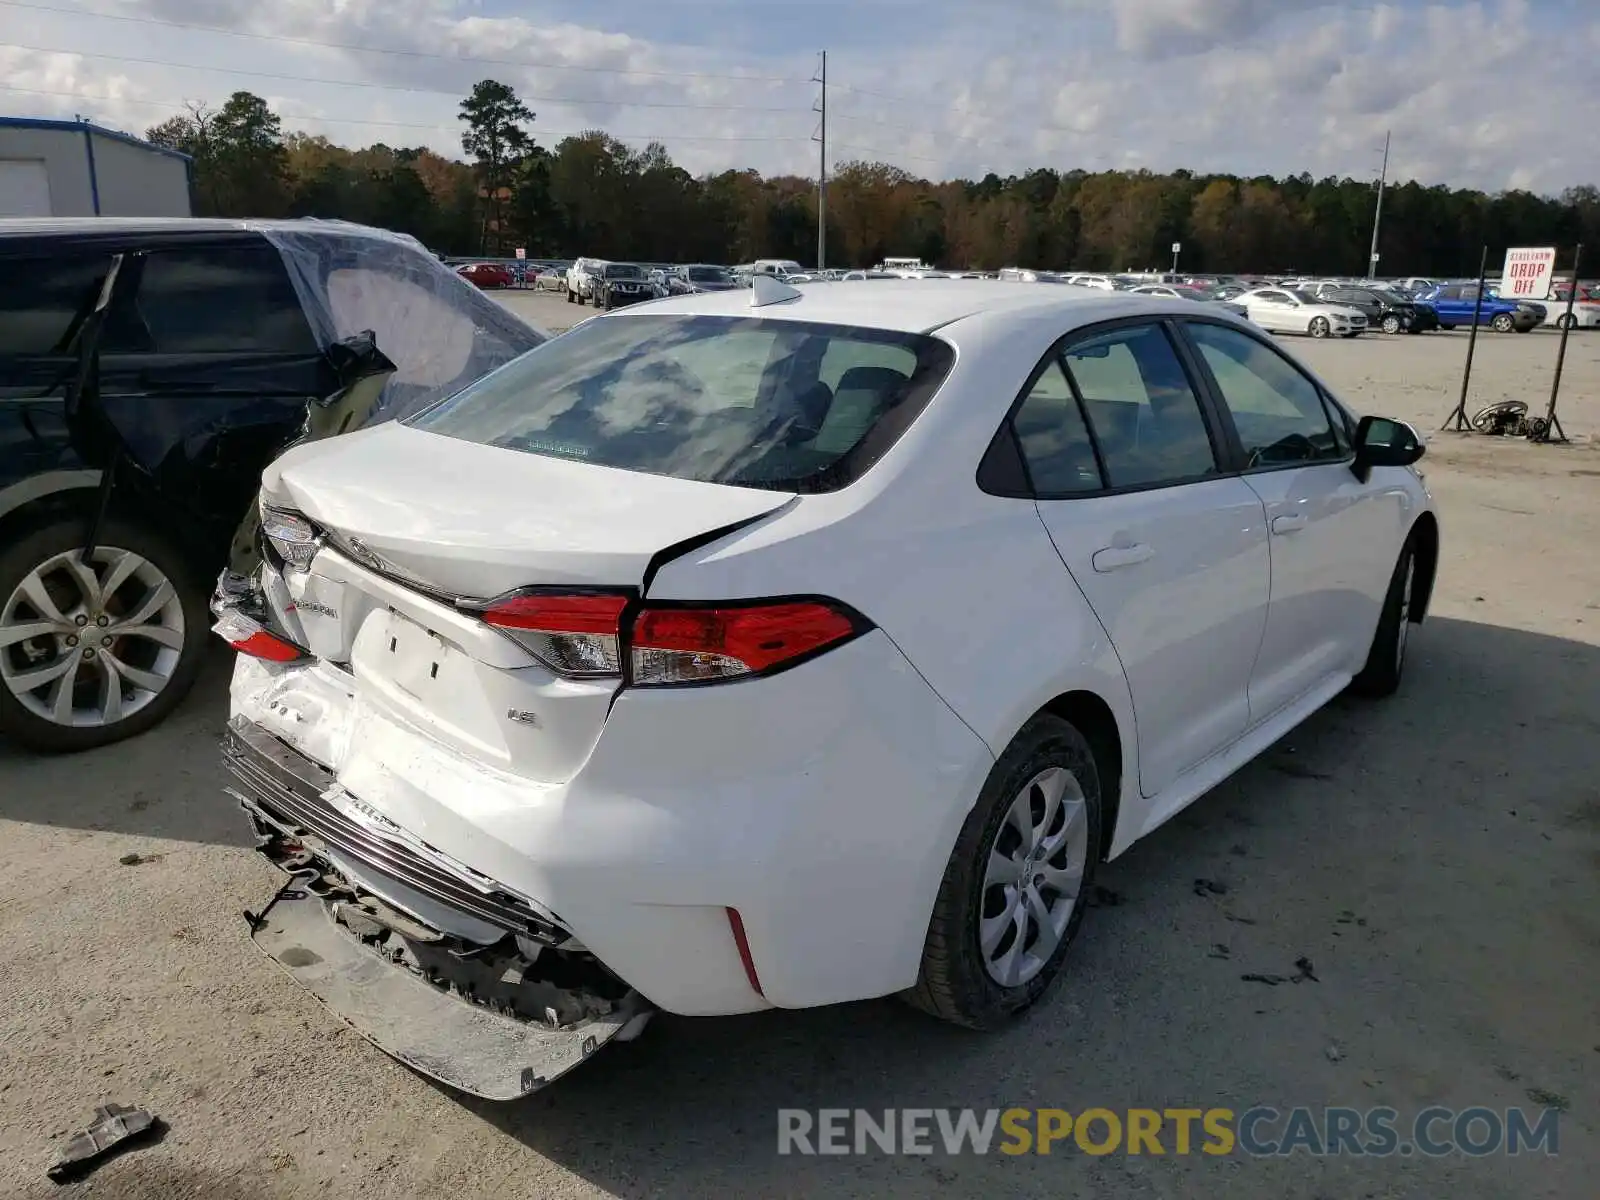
(915, 305)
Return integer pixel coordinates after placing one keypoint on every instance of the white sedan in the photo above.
(786, 647)
(1286, 310)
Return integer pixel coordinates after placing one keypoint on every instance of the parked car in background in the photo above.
(581, 277)
(224, 341)
(1585, 308)
(1456, 302)
(861, 276)
(1189, 291)
(1285, 310)
(1384, 310)
(775, 266)
(617, 284)
(486, 275)
(684, 726)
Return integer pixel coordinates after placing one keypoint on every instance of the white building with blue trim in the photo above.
(53, 168)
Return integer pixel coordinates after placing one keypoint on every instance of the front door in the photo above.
(1327, 583)
(1170, 554)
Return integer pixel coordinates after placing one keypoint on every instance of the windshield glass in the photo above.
(708, 275)
(624, 271)
(788, 405)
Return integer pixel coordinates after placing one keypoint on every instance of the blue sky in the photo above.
(1486, 93)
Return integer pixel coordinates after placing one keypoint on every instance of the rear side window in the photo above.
(42, 301)
(752, 402)
(1055, 442)
(1144, 412)
(221, 300)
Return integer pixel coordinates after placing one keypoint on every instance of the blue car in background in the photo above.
(1455, 302)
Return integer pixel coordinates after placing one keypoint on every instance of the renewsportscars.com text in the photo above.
(1261, 1131)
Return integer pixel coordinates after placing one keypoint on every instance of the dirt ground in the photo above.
(1436, 856)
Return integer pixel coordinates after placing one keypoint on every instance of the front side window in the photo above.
(1144, 411)
(1276, 408)
(43, 301)
(738, 400)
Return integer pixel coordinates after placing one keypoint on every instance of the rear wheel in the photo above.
(1503, 323)
(1387, 658)
(1319, 327)
(1014, 890)
(94, 652)
(1391, 324)
(1566, 321)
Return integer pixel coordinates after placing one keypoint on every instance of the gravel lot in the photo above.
(1436, 856)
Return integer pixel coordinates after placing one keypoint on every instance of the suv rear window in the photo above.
(786, 405)
(42, 301)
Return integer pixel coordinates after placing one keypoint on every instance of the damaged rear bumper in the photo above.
(443, 970)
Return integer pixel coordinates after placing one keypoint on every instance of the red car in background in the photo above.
(485, 275)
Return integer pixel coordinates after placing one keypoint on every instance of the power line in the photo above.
(318, 44)
(180, 106)
(383, 87)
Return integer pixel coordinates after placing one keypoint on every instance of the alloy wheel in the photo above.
(1319, 327)
(1032, 877)
(89, 644)
(1405, 615)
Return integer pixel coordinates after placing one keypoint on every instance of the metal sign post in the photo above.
(1550, 430)
(1457, 421)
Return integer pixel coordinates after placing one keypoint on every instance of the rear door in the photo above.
(1334, 539)
(207, 376)
(1273, 309)
(1170, 553)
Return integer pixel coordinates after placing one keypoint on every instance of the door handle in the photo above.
(1113, 558)
(1288, 524)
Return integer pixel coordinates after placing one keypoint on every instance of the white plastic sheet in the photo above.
(440, 331)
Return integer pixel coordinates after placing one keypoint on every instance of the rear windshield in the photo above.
(786, 405)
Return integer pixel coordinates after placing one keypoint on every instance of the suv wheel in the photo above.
(91, 653)
(1503, 323)
(1391, 324)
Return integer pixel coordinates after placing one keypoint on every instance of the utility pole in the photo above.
(822, 164)
(1377, 215)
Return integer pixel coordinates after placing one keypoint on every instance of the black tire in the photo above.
(1503, 323)
(1445, 328)
(953, 982)
(570, 295)
(1319, 327)
(26, 554)
(1566, 321)
(1386, 660)
(1391, 325)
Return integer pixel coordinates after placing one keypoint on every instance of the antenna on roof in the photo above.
(765, 290)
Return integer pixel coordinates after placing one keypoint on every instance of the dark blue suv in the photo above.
(1455, 303)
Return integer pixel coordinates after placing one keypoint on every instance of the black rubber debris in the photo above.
(1304, 970)
(1209, 887)
(115, 1128)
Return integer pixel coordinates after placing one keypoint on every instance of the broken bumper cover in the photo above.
(434, 965)
(473, 1049)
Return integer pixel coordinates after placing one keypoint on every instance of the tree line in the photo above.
(592, 194)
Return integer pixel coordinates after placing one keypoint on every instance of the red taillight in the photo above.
(250, 637)
(703, 644)
(582, 635)
(574, 633)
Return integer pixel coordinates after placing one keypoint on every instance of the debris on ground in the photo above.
(1304, 970)
(1220, 950)
(1238, 920)
(112, 1129)
(134, 860)
(1546, 1099)
(1209, 887)
(1334, 1053)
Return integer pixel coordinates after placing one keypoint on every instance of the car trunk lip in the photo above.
(477, 521)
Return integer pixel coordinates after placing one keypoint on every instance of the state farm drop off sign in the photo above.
(1527, 272)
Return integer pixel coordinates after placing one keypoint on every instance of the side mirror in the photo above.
(1382, 442)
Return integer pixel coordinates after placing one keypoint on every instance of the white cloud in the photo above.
(1250, 86)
